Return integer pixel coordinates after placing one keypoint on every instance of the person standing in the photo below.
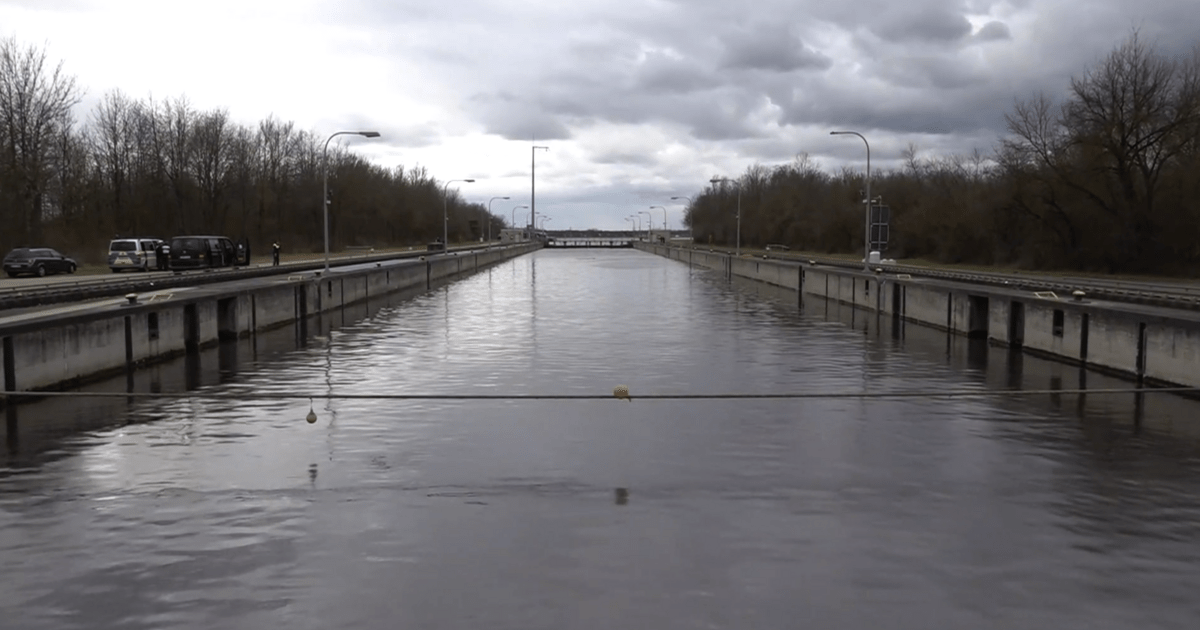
(275, 254)
(160, 256)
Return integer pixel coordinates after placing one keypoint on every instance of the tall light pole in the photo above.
(717, 180)
(665, 228)
(867, 226)
(325, 178)
(638, 221)
(489, 219)
(446, 213)
(649, 223)
(692, 224)
(514, 215)
(545, 219)
(533, 183)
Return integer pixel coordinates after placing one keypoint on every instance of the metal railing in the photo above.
(60, 292)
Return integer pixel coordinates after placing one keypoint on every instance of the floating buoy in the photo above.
(622, 392)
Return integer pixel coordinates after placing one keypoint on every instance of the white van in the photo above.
(138, 254)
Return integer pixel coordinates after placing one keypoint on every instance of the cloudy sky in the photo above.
(637, 100)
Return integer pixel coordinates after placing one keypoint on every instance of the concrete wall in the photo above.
(63, 350)
(1171, 351)
(1107, 336)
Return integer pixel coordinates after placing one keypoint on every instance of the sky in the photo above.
(637, 101)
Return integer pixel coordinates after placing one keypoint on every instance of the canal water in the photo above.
(1054, 510)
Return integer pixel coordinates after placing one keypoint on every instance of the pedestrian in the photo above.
(275, 254)
(160, 256)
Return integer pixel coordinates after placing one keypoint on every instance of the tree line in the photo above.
(164, 168)
(1106, 180)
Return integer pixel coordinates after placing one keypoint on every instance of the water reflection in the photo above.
(936, 512)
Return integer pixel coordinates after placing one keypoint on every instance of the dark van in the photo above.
(203, 252)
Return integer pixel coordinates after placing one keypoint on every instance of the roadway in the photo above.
(32, 292)
(1182, 293)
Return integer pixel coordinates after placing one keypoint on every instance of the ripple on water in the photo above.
(934, 512)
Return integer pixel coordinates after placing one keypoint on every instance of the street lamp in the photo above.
(545, 219)
(514, 215)
(649, 223)
(532, 183)
(867, 227)
(717, 180)
(692, 224)
(446, 213)
(664, 209)
(489, 219)
(638, 221)
(325, 184)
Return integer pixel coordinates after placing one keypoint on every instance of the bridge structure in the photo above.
(606, 243)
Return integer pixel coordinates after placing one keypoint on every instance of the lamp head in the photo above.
(369, 134)
(469, 181)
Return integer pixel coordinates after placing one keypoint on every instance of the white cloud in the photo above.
(639, 100)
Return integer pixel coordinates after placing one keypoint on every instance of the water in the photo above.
(1056, 510)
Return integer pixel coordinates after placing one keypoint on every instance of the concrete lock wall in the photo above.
(66, 353)
(1170, 351)
(1110, 336)
(1113, 343)
(58, 351)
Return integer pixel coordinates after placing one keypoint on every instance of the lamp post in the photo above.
(637, 219)
(325, 178)
(514, 215)
(649, 223)
(545, 219)
(489, 219)
(446, 213)
(717, 180)
(867, 226)
(692, 224)
(533, 183)
(665, 228)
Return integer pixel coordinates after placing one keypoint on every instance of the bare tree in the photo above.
(113, 141)
(35, 109)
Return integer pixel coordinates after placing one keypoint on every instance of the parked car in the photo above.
(36, 261)
(201, 252)
(138, 254)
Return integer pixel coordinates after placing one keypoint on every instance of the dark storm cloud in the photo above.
(993, 31)
(931, 24)
(746, 77)
(661, 73)
(902, 111)
(515, 118)
(772, 48)
(623, 156)
(928, 71)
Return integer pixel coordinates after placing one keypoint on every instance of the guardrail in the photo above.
(1146, 293)
(88, 289)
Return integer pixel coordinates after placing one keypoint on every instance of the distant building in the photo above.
(513, 235)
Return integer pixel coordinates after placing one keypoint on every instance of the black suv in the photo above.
(36, 261)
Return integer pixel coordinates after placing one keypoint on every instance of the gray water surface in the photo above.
(1053, 511)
